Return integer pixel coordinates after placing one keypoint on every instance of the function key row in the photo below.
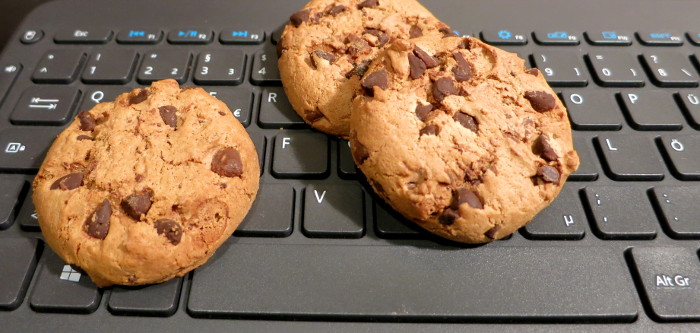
(147, 36)
(593, 37)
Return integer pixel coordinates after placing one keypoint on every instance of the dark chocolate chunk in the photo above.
(87, 122)
(416, 65)
(136, 205)
(359, 152)
(429, 60)
(444, 87)
(324, 55)
(464, 195)
(415, 32)
(491, 233)
(463, 71)
(429, 130)
(169, 115)
(544, 149)
(382, 38)
(170, 229)
(312, 115)
(464, 44)
(68, 182)
(422, 111)
(84, 137)
(97, 224)
(138, 97)
(300, 17)
(467, 121)
(357, 47)
(359, 70)
(378, 79)
(549, 174)
(540, 100)
(336, 9)
(447, 32)
(368, 4)
(448, 216)
(227, 162)
(533, 71)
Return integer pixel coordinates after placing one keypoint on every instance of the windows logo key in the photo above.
(70, 274)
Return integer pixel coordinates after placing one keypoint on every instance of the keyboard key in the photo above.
(390, 224)
(17, 262)
(592, 110)
(300, 155)
(587, 169)
(346, 165)
(651, 110)
(100, 94)
(669, 281)
(609, 37)
(242, 36)
(334, 211)
(220, 67)
(22, 149)
(276, 112)
(504, 37)
(139, 36)
(27, 216)
(679, 210)
(153, 300)
(45, 105)
(192, 36)
(616, 69)
(83, 36)
(683, 152)
(277, 34)
(694, 37)
(110, 66)
(238, 99)
(12, 187)
(670, 69)
(660, 38)
(265, 71)
(561, 68)
(366, 279)
(562, 219)
(621, 212)
(8, 74)
(556, 37)
(31, 36)
(690, 103)
(59, 66)
(272, 213)
(160, 65)
(629, 157)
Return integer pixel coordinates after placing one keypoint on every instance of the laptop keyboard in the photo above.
(619, 245)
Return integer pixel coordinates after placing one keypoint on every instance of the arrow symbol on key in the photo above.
(43, 100)
(49, 106)
(35, 216)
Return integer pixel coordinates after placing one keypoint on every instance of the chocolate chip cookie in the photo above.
(328, 44)
(460, 137)
(146, 188)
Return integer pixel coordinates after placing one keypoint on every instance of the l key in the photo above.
(616, 69)
(629, 157)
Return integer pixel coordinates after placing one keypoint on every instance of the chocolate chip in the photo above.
(533, 71)
(429, 130)
(323, 55)
(87, 122)
(300, 17)
(382, 38)
(429, 60)
(336, 9)
(444, 87)
(540, 100)
(491, 233)
(463, 71)
(359, 69)
(464, 195)
(467, 121)
(68, 182)
(544, 149)
(422, 111)
(359, 152)
(136, 205)
(84, 137)
(464, 44)
(549, 174)
(227, 162)
(170, 229)
(368, 4)
(169, 115)
(279, 49)
(416, 65)
(138, 97)
(97, 224)
(415, 31)
(312, 115)
(358, 47)
(449, 216)
(447, 32)
(378, 79)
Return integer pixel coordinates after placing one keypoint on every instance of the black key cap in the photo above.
(679, 210)
(587, 169)
(17, 262)
(265, 71)
(334, 211)
(669, 281)
(616, 69)
(59, 287)
(160, 65)
(242, 36)
(110, 67)
(83, 36)
(58, 66)
(609, 37)
(272, 214)
(660, 38)
(629, 157)
(690, 103)
(562, 219)
(561, 68)
(12, 187)
(300, 155)
(277, 34)
(390, 224)
(220, 67)
(100, 94)
(556, 37)
(592, 110)
(694, 37)
(620, 212)
(45, 105)
(190, 36)
(504, 37)
(651, 110)
(683, 153)
(8, 74)
(276, 112)
(365, 279)
(31, 36)
(346, 165)
(670, 69)
(239, 100)
(27, 216)
(260, 142)
(152, 300)
(139, 36)
(23, 148)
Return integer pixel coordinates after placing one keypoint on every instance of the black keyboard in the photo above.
(616, 251)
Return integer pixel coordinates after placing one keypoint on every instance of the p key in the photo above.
(652, 110)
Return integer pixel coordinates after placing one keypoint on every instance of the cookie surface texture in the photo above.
(147, 187)
(471, 148)
(327, 46)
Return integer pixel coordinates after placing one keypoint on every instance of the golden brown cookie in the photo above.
(327, 46)
(460, 137)
(146, 188)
